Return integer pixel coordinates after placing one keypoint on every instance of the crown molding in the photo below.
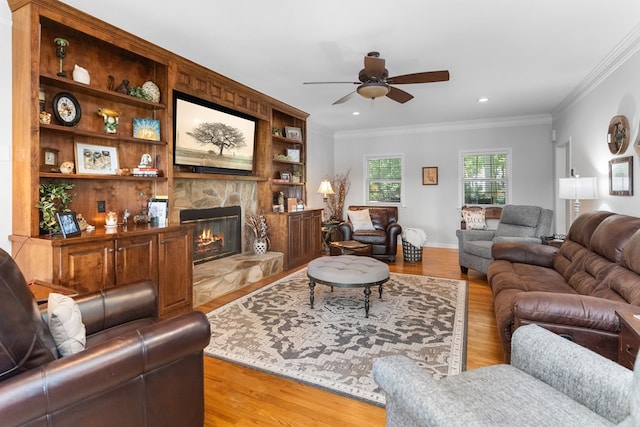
(500, 122)
(617, 57)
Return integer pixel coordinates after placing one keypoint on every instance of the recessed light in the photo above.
(356, 113)
(483, 99)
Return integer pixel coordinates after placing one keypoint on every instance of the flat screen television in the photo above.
(210, 138)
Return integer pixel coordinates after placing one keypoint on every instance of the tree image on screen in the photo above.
(219, 135)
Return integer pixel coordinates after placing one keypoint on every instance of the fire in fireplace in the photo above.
(217, 232)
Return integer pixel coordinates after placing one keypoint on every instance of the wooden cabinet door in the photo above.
(175, 272)
(136, 259)
(312, 235)
(295, 254)
(84, 267)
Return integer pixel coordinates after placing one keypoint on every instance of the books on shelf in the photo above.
(144, 171)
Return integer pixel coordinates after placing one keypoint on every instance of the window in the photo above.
(384, 179)
(485, 177)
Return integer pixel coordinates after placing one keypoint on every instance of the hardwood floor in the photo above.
(239, 396)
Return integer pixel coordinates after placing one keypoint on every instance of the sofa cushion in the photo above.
(611, 236)
(361, 220)
(25, 341)
(631, 253)
(65, 324)
(522, 215)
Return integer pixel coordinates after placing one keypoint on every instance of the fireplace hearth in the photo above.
(217, 232)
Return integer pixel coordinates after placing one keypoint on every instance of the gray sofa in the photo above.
(518, 223)
(550, 382)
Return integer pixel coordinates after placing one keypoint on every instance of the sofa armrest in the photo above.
(393, 231)
(587, 377)
(115, 306)
(514, 239)
(524, 253)
(346, 228)
(468, 235)
(569, 310)
(104, 369)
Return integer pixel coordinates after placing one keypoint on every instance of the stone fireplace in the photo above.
(217, 232)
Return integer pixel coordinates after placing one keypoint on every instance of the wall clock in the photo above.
(618, 135)
(66, 109)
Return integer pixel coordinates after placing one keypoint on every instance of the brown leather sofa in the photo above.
(136, 370)
(573, 290)
(384, 239)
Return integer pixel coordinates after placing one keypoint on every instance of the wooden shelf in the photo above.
(77, 132)
(97, 176)
(71, 85)
(286, 140)
(288, 162)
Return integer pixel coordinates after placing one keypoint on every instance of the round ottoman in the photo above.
(348, 271)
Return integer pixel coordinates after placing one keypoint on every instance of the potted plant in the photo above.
(54, 197)
(258, 225)
(296, 176)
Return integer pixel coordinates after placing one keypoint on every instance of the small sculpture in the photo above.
(112, 219)
(67, 167)
(81, 75)
(124, 87)
(111, 119)
(61, 52)
(146, 161)
(45, 118)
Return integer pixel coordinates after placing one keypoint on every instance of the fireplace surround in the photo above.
(217, 232)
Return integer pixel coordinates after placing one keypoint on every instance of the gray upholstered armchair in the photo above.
(551, 382)
(518, 223)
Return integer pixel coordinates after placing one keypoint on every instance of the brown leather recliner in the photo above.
(136, 370)
(384, 239)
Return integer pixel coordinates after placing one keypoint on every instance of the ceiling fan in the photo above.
(375, 81)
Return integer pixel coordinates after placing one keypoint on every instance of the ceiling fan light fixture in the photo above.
(373, 90)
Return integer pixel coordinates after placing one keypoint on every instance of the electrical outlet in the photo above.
(102, 206)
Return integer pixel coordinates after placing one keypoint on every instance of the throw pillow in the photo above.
(361, 220)
(65, 324)
(475, 220)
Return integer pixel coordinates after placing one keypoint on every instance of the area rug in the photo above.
(333, 346)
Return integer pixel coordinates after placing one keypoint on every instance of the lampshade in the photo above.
(325, 188)
(577, 188)
(373, 90)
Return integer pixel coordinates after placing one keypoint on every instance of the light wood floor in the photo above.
(238, 396)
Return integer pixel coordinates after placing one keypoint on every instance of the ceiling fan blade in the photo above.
(399, 95)
(426, 77)
(374, 66)
(330, 83)
(344, 98)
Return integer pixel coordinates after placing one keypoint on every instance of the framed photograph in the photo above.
(293, 154)
(48, 159)
(68, 224)
(285, 175)
(96, 159)
(621, 176)
(159, 208)
(430, 175)
(146, 129)
(293, 133)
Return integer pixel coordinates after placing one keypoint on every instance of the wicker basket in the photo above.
(411, 253)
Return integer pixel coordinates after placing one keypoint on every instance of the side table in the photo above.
(629, 339)
(328, 229)
(350, 247)
(41, 290)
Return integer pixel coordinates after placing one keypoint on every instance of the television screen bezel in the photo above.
(223, 112)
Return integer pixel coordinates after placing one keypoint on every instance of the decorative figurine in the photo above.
(146, 161)
(67, 167)
(61, 52)
(111, 119)
(111, 220)
(124, 87)
(45, 118)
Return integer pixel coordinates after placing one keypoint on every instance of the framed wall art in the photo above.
(293, 154)
(430, 175)
(621, 176)
(293, 133)
(96, 159)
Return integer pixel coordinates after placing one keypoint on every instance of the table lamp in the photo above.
(576, 188)
(325, 189)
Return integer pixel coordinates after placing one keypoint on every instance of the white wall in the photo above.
(435, 208)
(586, 120)
(5, 129)
(319, 161)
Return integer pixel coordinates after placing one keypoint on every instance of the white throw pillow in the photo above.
(361, 220)
(65, 324)
(475, 220)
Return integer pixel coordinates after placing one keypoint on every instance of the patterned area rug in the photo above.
(333, 346)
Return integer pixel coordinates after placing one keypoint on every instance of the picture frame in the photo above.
(286, 175)
(158, 208)
(293, 133)
(144, 128)
(293, 154)
(430, 175)
(96, 159)
(621, 176)
(49, 159)
(68, 223)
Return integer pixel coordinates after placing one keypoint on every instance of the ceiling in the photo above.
(525, 56)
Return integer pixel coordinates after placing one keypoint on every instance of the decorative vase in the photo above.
(260, 246)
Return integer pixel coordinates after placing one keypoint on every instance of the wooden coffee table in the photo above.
(350, 247)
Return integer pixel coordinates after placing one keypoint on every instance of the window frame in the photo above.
(508, 169)
(402, 181)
